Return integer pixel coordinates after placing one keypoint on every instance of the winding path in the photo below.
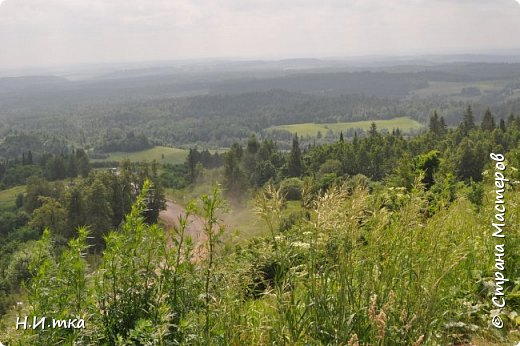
(194, 229)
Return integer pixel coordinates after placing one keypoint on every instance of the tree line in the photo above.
(98, 201)
(49, 166)
(441, 153)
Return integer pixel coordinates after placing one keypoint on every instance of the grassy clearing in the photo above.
(8, 197)
(311, 129)
(203, 186)
(244, 222)
(239, 220)
(159, 154)
(239, 217)
(248, 223)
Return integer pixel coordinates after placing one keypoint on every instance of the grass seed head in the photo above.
(354, 341)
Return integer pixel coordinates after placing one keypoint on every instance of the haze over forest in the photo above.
(63, 32)
(77, 69)
(260, 172)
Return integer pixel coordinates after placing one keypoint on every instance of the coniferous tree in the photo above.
(83, 165)
(404, 173)
(19, 200)
(191, 161)
(72, 166)
(468, 161)
(55, 168)
(428, 163)
(515, 123)
(252, 145)
(502, 125)
(264, 171)
(266, 150)
(250, 156)
(372, 132)
(29, 158)
(123, 193)
(510, 120)
(468, 121)
(355, 141)
(234, 179)
(98, 210)
(435, 124)
(443, 126)
(75, 209)
(488, 122)
(155, 200)
(294, 166)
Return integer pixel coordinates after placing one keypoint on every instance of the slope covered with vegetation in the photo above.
(392, 245)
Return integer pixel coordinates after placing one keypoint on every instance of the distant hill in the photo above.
(9, 84)
(219, 102)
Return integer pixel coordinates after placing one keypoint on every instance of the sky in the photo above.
(54, 32)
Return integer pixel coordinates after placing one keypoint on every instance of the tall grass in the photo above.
(361, 274)
(363, 270)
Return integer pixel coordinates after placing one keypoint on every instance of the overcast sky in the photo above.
(40, 32)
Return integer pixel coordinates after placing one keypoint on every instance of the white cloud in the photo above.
(58, 31)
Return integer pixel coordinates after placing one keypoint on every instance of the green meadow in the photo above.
(8, 197)
(159, 154)
(403, 123)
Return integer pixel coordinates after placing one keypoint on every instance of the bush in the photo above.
(330, 166)
(291, 188)
(292, 219)
(18, 269)
(327, 180)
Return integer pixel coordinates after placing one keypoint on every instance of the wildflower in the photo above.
(354, 341)
(381, 324)
(372, 308)
(408, 326)
(390, 302)
(380, 319)
(419, 341)
(300, 245)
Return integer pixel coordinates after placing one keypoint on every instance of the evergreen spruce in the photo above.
(294, 166)
(468, 121)
(488, 122)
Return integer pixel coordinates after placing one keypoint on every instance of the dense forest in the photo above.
(390, 242)
(216, 106)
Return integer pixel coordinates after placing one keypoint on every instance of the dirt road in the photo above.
(194, 229)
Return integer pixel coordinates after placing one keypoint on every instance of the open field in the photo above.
(403, 123)
(242, 223)
(160, 154)
(236, 218)
(8, 197)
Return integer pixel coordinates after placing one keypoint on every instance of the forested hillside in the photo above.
(260, 173)
(217, 105)
(388, 242)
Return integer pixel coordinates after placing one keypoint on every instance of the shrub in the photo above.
(291, 188)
